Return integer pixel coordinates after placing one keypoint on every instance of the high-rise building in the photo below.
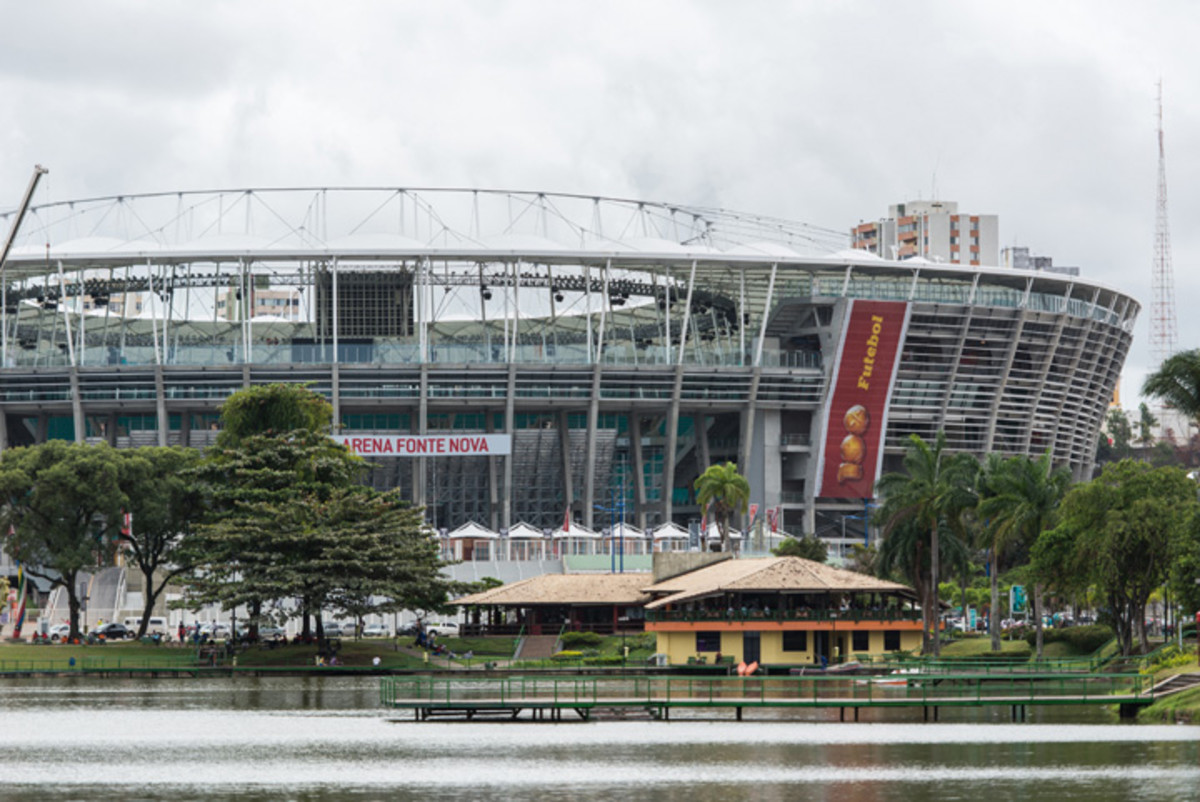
(284, 303)
(1019, 258)
(934, 230)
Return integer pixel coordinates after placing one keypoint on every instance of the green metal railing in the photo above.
(817, 691)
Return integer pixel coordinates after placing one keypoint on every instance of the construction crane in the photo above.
(38, 172)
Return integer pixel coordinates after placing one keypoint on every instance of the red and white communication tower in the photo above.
(1164, 335)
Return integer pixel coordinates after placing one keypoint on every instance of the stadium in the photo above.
(511, 357)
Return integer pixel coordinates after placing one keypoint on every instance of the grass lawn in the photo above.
(1182, 706)
(982, 647)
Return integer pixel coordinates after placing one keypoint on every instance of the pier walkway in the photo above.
(549, 697)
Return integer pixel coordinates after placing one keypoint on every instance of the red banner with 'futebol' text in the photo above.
(851, 451)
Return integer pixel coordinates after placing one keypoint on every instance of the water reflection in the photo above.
(319, 739)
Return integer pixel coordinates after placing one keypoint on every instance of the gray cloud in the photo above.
(824, 112)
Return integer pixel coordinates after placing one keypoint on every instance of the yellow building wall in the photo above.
(680, 646)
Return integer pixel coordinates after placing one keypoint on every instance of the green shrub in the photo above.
(1084, 639)
(567, 655)
(603, 660)
(576, 640)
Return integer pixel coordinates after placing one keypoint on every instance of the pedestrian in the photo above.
(182, 633)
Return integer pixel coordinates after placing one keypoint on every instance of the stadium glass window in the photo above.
(795, 641)
(708, 641)
(891, 640)
(862, 641)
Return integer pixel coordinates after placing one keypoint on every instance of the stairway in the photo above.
(1177, 683)
(537, 647)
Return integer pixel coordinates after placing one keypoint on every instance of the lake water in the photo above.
(328, 738)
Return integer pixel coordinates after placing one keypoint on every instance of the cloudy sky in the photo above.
(825, 112)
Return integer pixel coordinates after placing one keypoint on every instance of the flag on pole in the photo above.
(753, 513)
(126, 523)
(19, 618)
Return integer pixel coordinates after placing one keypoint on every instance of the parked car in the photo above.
(58, 632)
(112, 631)
(442, 629)
(214, 630)
(272, 634)
(376, 631)
(333, 629)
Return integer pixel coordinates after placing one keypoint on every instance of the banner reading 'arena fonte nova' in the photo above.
(851, 451)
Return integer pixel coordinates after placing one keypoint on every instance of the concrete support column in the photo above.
(77, 405)
(747, 421)
(493, 479)
(43, 427)
(421, 424)
(3, 431)
(564, 444)
(510, 423)
(160, 405)
(672, 446)
(111, 433)
(185, 428)
(639, 468)
(335, 396)
(700, 424)
(589, 462)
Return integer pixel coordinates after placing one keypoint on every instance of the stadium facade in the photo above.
(579, 354)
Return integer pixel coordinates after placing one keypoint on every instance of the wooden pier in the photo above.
(552, 698)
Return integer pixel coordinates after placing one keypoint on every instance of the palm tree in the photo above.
(1177, 383)
(932, 492)
(1024, 504)
(721, 492)
(992, 465)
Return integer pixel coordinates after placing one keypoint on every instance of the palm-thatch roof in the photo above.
(769, 574)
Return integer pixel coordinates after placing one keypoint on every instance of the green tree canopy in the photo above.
(1177, 383)
(272, 409)
(289, 519)
(810, 547)
(163, 502)
(723, 492)
(63, 502)
(1126, 528)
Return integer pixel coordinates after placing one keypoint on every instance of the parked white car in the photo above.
(442, 629)
(58, 632)
(376, 631)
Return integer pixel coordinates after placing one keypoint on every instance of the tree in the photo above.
(236, 553)
(289, 519)
(1177, 383)
(1145, 425)
(62, 502)
(722, 492)
(1023, 503)
(992, 465)
(1120, 435)
(272, 409)
(810, 547)
(931, 494)
(1127, 527)
(163, 502)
